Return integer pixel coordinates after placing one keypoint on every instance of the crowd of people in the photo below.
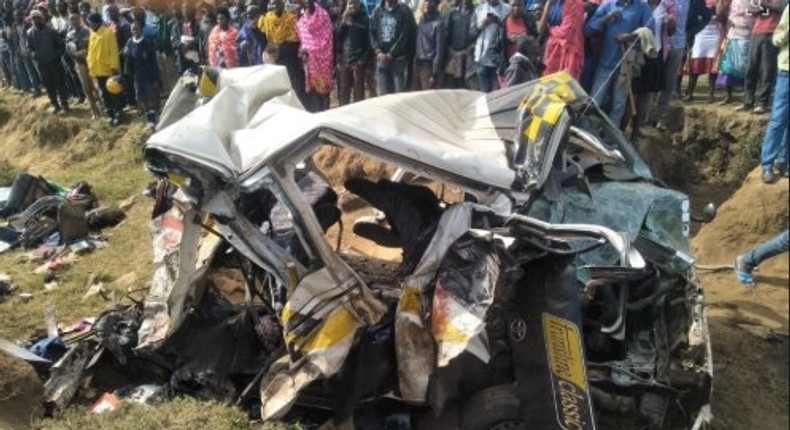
(117, 55)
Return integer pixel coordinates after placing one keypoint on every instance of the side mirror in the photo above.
(708, 214)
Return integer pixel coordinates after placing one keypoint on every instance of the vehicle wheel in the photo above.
(495, 408)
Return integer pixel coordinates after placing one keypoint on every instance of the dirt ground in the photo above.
(709, 155)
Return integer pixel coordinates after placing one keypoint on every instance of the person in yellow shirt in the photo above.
(279, 26)
(103, 61)
(774, 151)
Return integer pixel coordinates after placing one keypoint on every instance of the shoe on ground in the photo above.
(759, 110)
(150, 127)
(768, 176)
(742, 271)
(743, 108)
(55, 110)
(661, 126)
(780, 170)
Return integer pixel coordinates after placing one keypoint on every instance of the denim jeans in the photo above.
(27, 74)
(391, 78)
(487, 78)
(671, 67)
(604, 85)
(775, 142)
(770, 248)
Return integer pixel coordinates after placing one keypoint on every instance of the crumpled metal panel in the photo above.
(416, 348)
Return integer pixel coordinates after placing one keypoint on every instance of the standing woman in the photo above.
(703, 55)
(732, 67)
(564, 20)
(651, 78)
(222, 42)
(314, 29)
(140, 63)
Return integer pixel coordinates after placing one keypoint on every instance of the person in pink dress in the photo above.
(222, 42)
(315, 32)
(564, 21)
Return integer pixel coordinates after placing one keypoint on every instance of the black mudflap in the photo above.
(548, 351)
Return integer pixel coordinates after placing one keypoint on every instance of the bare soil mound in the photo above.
(754, 213)
(21, 392)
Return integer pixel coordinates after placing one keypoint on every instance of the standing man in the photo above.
(184, 31)
(775, 147)
(392, 30)
(77, 43)
(427, 61)
(761, 67)
(353, 48)
(27, 74)
(488, 26)
(48, 48)
(103, 62)
(457, 45)
(616, 21)
(251, 41)
(164, 49)
(279, 26)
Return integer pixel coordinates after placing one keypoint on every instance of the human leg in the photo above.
(674, 56)
(344, 83)
(747, 262)
(619, 102)
(777, 127)
(601, 85)
(768, 69)
(693, 77)
(358, 80)
(88, 88)
(398, 69)
(752, 71)
(384, 79)
(486, 78)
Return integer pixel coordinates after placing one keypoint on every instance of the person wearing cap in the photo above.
(77, 47)
(103, 62)
(251, 41)
(48, 48)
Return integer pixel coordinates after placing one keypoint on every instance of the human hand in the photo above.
(614, 15)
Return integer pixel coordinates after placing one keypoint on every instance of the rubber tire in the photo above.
(493, 406)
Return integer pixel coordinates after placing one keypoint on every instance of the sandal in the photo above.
(744, 274)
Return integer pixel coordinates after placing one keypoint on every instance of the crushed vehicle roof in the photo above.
(256, 116)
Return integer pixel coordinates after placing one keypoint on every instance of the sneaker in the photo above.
(661, 126)
(768, 176)
(780, 170)
(743, 108)
(743, 272)
(150, 127)
(759, 110)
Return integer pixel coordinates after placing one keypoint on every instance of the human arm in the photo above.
(605, 14)
(441, 47)
(780, 34)
(699, 16)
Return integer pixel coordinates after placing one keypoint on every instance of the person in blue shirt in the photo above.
(251, 41)
(616, 22)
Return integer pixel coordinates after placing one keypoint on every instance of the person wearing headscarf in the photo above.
(314, 29)
(564, 22)
(222, 42)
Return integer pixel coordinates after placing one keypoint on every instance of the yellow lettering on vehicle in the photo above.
(564, 350)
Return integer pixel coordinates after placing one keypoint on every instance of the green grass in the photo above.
(178, 414)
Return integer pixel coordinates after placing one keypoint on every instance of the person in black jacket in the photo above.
(456, 45)
(353, 46)
(426, 61)
(184, 37)
(392, 31)
(48, 48)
